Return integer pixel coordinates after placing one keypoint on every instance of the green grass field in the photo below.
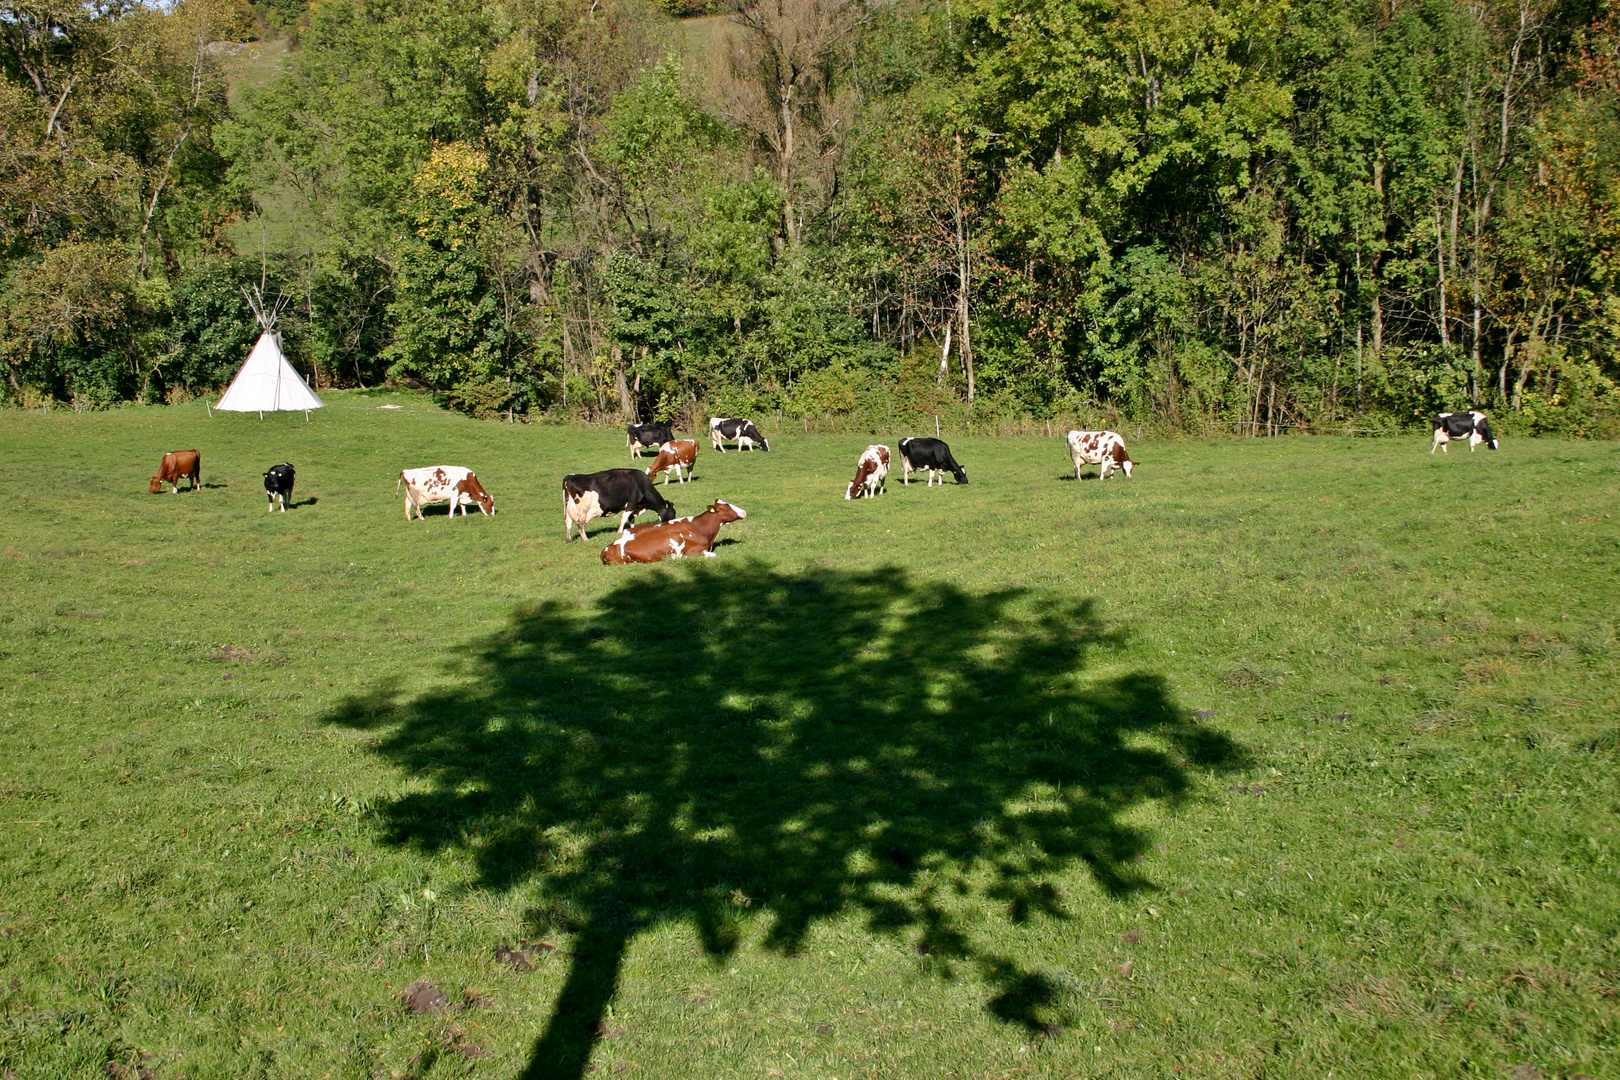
(1285, 758)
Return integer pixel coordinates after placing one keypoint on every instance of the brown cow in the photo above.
(673, 456)
(870, 472)
(178, 464)
(676, 539)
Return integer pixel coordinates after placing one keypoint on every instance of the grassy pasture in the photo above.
(1284, 758)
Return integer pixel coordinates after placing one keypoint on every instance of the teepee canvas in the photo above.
(267, 383)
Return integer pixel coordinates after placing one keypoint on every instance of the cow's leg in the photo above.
(1473, 442)
(624, 519)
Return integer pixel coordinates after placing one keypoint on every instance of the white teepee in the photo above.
(267, 383)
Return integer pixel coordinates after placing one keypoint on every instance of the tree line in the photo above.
(1189, 214)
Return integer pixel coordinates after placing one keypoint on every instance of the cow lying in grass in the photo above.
(178, 464)
(678, 539)
(1104, 449)
(871, 471)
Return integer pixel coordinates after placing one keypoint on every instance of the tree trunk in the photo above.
(621, 385)
(1378, 277)
(1440, 269)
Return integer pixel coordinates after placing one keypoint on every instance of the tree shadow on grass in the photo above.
(810, 745)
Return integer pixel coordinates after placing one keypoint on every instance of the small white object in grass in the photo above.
(390, 406)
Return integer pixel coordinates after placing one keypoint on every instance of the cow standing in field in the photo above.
(278, 485)
(443, 483)
(674, 456)
(178, 465)
(1462, 425)
(642, 436)
(931, 456)
(871, 471)
(627, 492)
(677, 539)
(1105, 449)
(743, 431)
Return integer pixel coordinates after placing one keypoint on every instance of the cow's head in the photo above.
(961, 474)
(726, 511)
(157, 485)
(667, 513)
(486, 502)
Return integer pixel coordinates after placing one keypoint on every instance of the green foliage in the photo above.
(1190, 213)
(213, 328)
(448, 331)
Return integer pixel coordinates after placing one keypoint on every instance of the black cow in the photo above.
(645, 435)
(588, 496)
(918, 455)
(278, 485)
(1462, 425)
(743, 431)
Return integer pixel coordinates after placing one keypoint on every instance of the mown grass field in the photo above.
(1284, 758)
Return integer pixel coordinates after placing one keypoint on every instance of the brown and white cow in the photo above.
(673, 456)
(677, 539)
(443, 483)
(871, 470)
(177, 465)
(1101, 448)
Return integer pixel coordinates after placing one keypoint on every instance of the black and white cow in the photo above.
(931, 456)
(627, 492)
(642, 436)
(743, 431)
(1462, 425)
(278, 485)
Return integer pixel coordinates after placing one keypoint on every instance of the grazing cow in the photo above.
(673, 456)
(443, 483)
(1105, 449)
(1462, 425)
(177, 465)
(677, 539)
(627, 492)
(278, 485)
(918, 455)
(870, 473)
(642, 436)
(743, 431)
